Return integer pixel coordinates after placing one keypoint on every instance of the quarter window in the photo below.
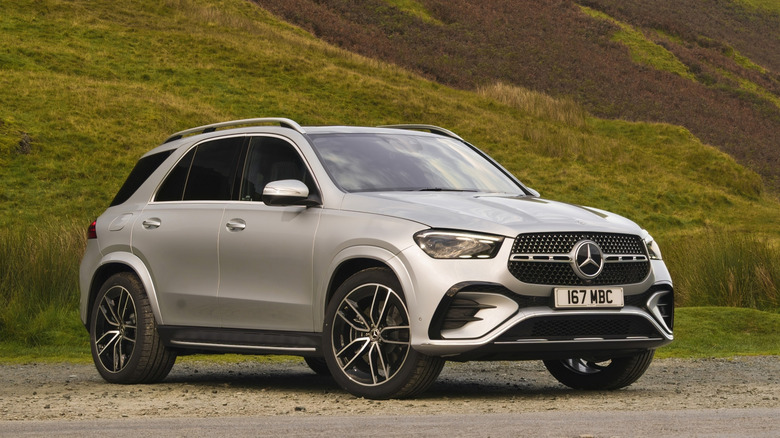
(142, 170)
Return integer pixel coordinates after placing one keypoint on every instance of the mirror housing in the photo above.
(287, 192)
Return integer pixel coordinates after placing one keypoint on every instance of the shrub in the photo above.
(38, 284)
(725, 268)
(537, 104)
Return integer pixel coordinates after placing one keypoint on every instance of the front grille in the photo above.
(545, 258)
(563, 243)
(580, 327)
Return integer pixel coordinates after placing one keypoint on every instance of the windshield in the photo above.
(385, 162)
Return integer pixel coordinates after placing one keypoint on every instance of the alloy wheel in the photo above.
(583, 366)
(115, 329)
(371, 335)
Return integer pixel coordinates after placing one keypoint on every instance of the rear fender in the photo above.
(132, 263)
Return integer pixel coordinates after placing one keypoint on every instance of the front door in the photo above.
(265, 252)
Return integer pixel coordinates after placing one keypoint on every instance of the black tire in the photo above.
(318, 365)
(367, 339)
(123, 334)
(609, 374)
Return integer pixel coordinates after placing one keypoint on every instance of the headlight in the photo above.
(458, 245)
(653, 250)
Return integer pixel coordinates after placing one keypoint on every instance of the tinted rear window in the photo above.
(142, 170)
(206, 173)
(213, 171)
(172, 188)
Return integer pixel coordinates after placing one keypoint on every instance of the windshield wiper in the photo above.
(443, 189)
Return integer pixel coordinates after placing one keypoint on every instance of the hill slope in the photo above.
(87, 86)
(712, 67)
(94, 85)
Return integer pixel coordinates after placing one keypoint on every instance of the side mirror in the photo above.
(287, 192)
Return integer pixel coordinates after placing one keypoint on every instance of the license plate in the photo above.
(596, 297)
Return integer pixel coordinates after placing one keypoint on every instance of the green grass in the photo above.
(766, 5)
(723, 332)
(744, 61)
(726, 268)
(88, 86)
(15, 353)
(38, 289)
(416, 9)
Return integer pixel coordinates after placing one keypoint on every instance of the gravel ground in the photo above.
(258, 387)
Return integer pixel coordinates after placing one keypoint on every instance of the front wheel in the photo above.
(367, 339)
(123, 334)
(318, 365)
(592, 374)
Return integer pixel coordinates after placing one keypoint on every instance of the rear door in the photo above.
(177, 234)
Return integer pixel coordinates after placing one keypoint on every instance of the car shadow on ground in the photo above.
(457, 380)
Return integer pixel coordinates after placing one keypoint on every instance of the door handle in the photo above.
(235, 224)
(152, 223)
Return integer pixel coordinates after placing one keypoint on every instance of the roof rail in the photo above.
(286, 123)
(430, 128)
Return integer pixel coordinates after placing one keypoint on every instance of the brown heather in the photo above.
(554, 47)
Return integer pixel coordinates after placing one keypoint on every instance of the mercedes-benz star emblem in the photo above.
(588, 260)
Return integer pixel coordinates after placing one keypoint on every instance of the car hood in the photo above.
(488, 213)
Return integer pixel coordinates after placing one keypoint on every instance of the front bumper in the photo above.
(505, 318)
(536, 330)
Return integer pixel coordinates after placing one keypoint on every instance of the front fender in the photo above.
(374, 253)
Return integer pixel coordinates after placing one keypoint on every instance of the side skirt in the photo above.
(193, 340)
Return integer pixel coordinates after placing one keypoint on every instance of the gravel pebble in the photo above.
(257, 386)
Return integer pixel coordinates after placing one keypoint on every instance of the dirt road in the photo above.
(258, 387)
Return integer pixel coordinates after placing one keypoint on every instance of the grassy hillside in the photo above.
(86, 87)
(712, 67)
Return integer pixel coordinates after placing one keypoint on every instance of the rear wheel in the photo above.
(367, 339)
(123, 334)
(592, 374)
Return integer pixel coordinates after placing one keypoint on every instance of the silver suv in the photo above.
(374, 253)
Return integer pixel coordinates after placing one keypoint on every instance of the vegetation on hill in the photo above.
(88, 86)
(712, 67)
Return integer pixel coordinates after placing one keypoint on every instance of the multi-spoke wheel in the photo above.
(367, 339)
(595, 374)
(123, 335)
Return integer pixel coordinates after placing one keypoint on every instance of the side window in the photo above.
(271, 159)
(206, 173)
(142, 170)
(172, 189)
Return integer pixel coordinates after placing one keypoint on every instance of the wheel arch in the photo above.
(347, 269)
(115, 263)
(354, 260)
